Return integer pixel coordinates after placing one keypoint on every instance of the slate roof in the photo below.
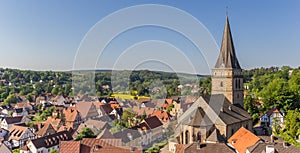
(227, 57)
(153, 122)
(105, 134)
(127, 135)
(215, 137)
(207, 148)
(260, 147)
(51, 140)
(197, 118)
(12, 120)
(226, 111)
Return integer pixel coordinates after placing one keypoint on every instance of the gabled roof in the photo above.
(71, 113)
(51, 140)
(69, 147)
(55, 122)
(207, 148)
(4, 148)
(271, 111)
(260, 147)
(228, 112)
(45, 129)
(127, 135)
(153, 122)
(242, 139)
(13, 120)
(197, 118)
(163, 115)
(215, 137)
(101, 146)
(105, 134)
(16, 132)
(227, 57)
(84, 108)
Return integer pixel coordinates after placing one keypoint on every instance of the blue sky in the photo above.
(45, 35)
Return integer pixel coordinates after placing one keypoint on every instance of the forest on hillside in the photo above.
(279, 88)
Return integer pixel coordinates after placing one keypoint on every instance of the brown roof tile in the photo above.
(69, 147)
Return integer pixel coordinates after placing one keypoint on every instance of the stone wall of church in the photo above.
(228, 82)
(190, 134)
(231, 129)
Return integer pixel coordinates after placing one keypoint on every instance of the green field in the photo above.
(126, 96)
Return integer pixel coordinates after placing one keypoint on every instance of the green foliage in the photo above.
(170, 107)
(251, 108)
(128, 117)
(292, 127)
(11, 99)
(53, 151)
(117, 126)
(156, 147)
(85, 133)
(16, 151)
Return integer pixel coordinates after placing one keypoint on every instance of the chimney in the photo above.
(131, 148)
(285, 144)
(272, 138)
(270, 149)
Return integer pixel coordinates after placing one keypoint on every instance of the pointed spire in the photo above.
(227, 57)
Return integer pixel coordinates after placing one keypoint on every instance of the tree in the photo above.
(16, 151)
(292, 127)
(170, 107)
(276, 126)
(85, 133)
(53, 151)
(11, 99)
(128, 117)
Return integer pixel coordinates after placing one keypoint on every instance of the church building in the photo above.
(217, 117)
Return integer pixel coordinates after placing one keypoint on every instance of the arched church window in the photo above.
(187, 137)
(199, 137)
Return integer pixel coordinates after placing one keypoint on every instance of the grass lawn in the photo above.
(126, 96)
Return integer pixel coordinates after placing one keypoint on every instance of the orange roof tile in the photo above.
(242, 139)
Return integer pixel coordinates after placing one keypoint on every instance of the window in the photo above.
(221, 84)
(241, 83)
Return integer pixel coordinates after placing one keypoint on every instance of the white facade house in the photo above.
(269, 118)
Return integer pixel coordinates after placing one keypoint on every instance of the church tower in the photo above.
(227, 76)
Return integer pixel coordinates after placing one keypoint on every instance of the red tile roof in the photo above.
(242, 139)
(69, 147)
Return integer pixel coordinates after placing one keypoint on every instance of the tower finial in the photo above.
(226, 10)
